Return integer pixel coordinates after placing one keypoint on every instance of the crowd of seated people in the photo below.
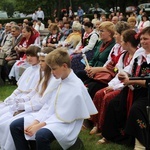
(117, 45)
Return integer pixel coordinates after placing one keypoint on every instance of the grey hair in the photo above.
(76, 26)
(121, 26)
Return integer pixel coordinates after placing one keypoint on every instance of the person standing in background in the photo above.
(40, 14)
(34, 15)
(70, 12)
(80, 13)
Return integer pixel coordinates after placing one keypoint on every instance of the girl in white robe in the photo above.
(27, 82)
(46, 85)
(63, 114)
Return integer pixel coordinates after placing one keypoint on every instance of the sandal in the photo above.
(99, 134)
(83, 128)
(94, 130)
(102, 141)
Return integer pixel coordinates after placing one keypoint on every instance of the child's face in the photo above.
(32, 60)
(58, 71)
(42, 63)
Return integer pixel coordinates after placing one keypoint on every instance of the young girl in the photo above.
(29, 37)
(38, 96)
(27, 82)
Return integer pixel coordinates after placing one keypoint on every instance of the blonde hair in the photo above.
(109, 26)
(53, 26)
(58, 57)
(131, 19)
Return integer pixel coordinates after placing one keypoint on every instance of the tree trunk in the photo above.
(123, 5)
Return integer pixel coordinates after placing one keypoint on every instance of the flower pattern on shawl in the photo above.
(145, 72)
(141, 124)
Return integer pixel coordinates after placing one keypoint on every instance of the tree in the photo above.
(7, 5)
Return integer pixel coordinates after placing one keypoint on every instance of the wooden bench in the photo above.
(43, 34)
(2, 60)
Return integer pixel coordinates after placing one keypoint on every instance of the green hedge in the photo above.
(17, 20)
(20, 20)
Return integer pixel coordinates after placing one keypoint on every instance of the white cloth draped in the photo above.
(31, 106)
(64, 113)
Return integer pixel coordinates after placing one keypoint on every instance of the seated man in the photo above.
(12, 57)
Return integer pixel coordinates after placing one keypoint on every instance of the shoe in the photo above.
(99, 134)
(102, 141)
(83, 128)
(138, 145)
(94, 130)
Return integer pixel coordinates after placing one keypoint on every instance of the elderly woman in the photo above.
(73, 39)
(102, 50)
(85, 46)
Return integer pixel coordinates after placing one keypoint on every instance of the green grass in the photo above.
(88, 140)
(6, 90)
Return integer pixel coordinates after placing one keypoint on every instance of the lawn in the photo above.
(88, 140)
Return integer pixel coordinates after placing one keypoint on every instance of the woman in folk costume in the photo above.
(137, 124)
(53, 38)
(85, 46)
(26, 83)
(102, 51)
(143, 23)
(118, 111)
(104, 96)
(28, 38)
(61, 118)
(36, 99)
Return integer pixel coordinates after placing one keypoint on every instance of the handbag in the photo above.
(106, 76)
(103, 77)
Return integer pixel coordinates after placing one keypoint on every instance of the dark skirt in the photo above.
(76, 63)
(137, 123)
(116, 117)
(93, 86)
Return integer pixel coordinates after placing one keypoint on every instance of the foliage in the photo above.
(8, 6)
(29, 6)
(20, 20)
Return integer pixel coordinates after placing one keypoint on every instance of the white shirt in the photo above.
(92, 41)
(41, 27)
(40, 14)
